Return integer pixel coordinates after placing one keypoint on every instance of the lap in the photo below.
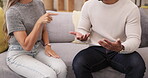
(91, 57)
(28, 66)
(122, 62)
(54, 63)
(97, 58)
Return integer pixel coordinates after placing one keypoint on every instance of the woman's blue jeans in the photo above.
(96, 58)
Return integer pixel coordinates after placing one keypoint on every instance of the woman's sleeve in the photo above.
(14, 21)
(43, 7)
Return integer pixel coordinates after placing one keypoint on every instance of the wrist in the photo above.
(47, 44)
(122, 48)
(39, 23)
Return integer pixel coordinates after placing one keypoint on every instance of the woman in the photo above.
(26, 24)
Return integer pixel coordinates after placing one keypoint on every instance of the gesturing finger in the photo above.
(73, 33)
(108, 42)
(80, 37)
(84, 37)
(105, 45)
(50, 14)
(50, 18)
(88, 34)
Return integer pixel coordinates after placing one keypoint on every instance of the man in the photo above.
(115, 33)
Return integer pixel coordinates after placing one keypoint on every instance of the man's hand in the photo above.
(80, 37)
(113, 46)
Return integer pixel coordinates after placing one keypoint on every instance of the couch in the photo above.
(61, 42)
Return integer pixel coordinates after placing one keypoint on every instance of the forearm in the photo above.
(132, 31)
(133, 40)
(45, 36)
(84, 25)
(31, 39)
(82, 31)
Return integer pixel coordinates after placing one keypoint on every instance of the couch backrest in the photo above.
(144, 26)
(60, 27)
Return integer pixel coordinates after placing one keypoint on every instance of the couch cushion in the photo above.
(75, 19)
(60, 27)
(144, 26)
(67, 51)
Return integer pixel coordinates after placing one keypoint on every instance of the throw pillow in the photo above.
(3, 42)
(146, 7)
(75, 18)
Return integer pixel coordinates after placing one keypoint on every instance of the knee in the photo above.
(139, 67)
(60, 68)
(79, 62)
(47, 74)
(50, 75)
(137, 63)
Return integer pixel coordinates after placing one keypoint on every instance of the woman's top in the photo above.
(22, 17)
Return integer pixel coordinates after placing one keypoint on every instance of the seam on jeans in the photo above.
(11, 62)
(119, 65)
(97, 64)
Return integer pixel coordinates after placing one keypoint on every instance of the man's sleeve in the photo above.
(133, 31)
(84, 23)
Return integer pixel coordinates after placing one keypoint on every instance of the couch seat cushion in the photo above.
(67, 51)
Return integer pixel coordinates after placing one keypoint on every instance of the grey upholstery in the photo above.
(144, 24)
(59, 28)
(67, 51)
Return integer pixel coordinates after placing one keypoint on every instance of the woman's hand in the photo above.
(113, 46)
(46, 18)
(50, 52)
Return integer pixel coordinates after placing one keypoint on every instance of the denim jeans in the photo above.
(35, 63)
(96, 58)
